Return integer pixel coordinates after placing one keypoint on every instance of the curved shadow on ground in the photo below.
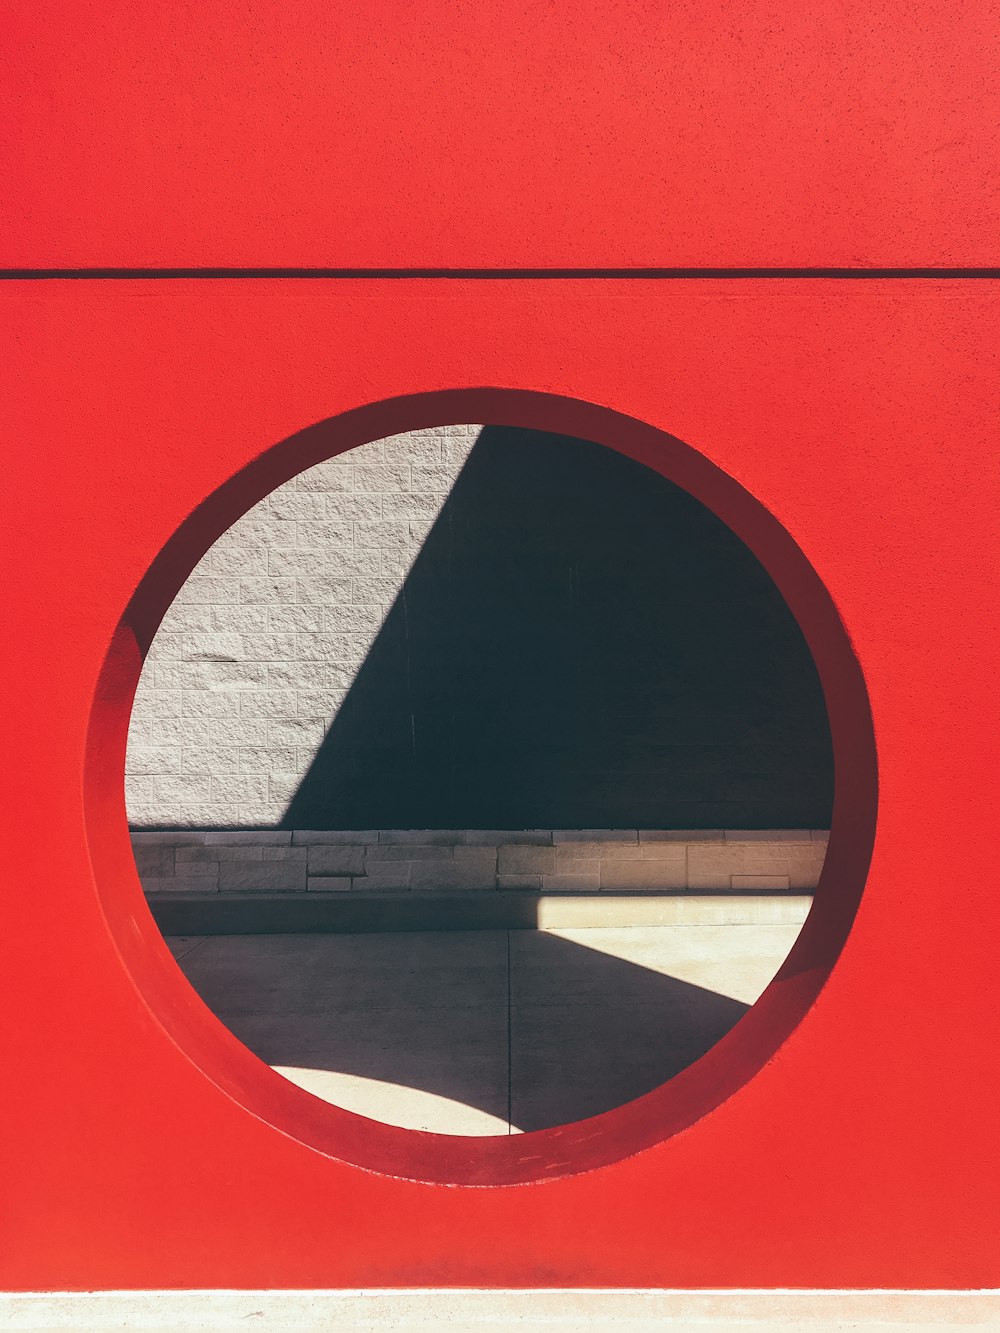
(524, 1027)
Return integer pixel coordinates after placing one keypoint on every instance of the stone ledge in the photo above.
(353, 913)
(478, 860)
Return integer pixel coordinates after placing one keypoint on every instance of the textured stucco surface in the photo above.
(479, 628)
(260, 647)
(522, 134)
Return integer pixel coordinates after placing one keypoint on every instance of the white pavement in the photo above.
(492, 1311)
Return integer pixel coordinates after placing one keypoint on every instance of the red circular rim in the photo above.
(565, 1149)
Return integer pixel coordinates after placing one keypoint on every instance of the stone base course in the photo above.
(476, 860)
(197, 914)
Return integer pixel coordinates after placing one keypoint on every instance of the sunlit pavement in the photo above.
(484, 1032)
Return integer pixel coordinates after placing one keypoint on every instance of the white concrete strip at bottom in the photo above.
(427, 1311)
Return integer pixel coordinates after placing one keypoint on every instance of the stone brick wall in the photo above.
(258, 651)
(470, 627)
(429, 861)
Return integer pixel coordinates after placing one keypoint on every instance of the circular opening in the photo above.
(330, 794)
(480, 779)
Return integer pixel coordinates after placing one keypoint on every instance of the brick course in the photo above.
(430, 860)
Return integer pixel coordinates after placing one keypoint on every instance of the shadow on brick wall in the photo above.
(579, 644)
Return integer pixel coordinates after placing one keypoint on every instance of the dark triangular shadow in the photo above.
(579, 644)
(566, 1032)
(589, 1032)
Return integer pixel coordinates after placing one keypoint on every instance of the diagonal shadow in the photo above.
(590, 1032)
(579, 644)
(566, 1032)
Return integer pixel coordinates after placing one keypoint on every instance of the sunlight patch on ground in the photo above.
(392, 1104)
(735, 961)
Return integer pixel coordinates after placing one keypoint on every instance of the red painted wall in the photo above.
(751, 132)
(845, 1133)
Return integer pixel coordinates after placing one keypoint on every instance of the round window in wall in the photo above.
(480, 780)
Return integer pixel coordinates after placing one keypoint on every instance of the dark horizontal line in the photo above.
(121, 274)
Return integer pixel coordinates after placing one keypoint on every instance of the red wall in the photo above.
(845, 1133)
(604, 134)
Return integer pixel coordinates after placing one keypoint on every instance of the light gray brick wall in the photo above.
(255, 656)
